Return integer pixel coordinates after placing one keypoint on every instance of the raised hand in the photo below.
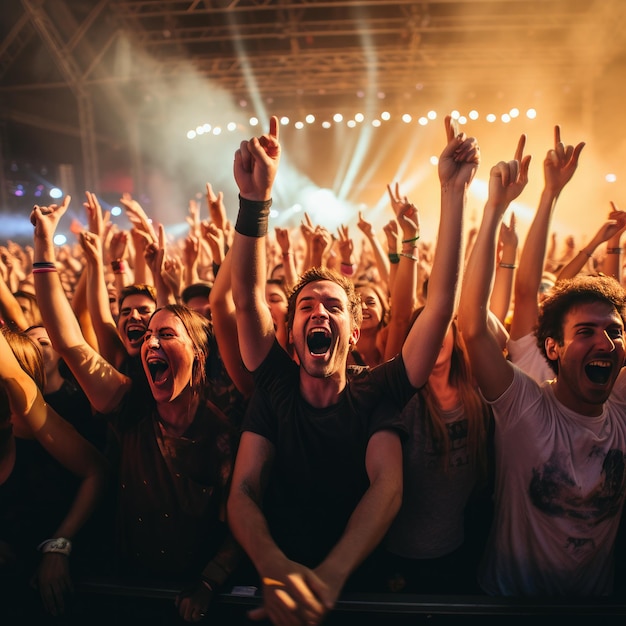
(560, 163)
(45, 219)
(507, 180)
(364, 226)
(283, 239)
(460, 158)
(391, 232)
(95, 216)
(193, 218)
(215, 204)
(406, 212)
(256, 164)
(345, 245)
(138, 217)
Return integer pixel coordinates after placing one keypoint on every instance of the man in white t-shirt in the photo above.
(559, 445)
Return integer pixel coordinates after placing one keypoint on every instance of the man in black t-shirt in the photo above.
(310, 426)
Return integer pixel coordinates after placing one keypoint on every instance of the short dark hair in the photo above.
(317, 274)
(142, 289)
(569, 294)
(196, 290)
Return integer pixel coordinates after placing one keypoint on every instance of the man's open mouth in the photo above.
(318, 341)
(599, 371)
(135, 333)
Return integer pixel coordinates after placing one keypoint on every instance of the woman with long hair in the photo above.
(42, 512)
(175, 449)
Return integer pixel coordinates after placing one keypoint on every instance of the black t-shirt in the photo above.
(319, 473)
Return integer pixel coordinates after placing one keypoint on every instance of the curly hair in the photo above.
(569, 294)
(317, 274)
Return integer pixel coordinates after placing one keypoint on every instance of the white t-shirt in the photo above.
(559, 490)
(525, 353)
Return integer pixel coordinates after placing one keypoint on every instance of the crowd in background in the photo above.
(311, 412)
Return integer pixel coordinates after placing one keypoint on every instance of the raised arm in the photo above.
(382, 261)
(612, 227)
(558, 167)
(404, 291)
(283, 238)
(457, 165)
(225, 326)
(255, 167)
(505, 270)
(492, 370)
(102, 383)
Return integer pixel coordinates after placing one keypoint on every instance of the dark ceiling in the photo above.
(83, 82)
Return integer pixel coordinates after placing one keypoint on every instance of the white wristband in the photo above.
(60, 545)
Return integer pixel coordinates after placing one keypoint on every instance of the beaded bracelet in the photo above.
(508, 266)
(409, 256)
(411, 240)
(614, 250)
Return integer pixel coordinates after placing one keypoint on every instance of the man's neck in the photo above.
(322, 392)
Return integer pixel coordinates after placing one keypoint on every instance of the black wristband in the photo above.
(253, 217)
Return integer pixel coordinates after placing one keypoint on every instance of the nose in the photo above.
(152, 342)
(134, 313)
(319, 312)
(608, 341)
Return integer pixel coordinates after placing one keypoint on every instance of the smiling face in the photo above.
(132, 323)
(168, 356)
(589, 357)
(323, 329)
(372, 308)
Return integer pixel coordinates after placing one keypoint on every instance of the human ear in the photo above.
(552, 349)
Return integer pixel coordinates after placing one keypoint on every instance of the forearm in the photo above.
(533, 255)
(446, 266)
(382, 261)
(250, 529)
(404, 298)
(11, 311)
(613, 259)
(365, 530)
(57, 313)
(478, 279)
(85, 503)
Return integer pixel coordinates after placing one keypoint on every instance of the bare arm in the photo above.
(225, 325)
(559, 167)
(289, 589)
(457, 166)
(404, 292)
(102, 383)
(371, 517)
(382, 261)
(255, 167)
(492, 370)
(505, 271)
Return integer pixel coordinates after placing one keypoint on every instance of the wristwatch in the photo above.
(59, 545)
